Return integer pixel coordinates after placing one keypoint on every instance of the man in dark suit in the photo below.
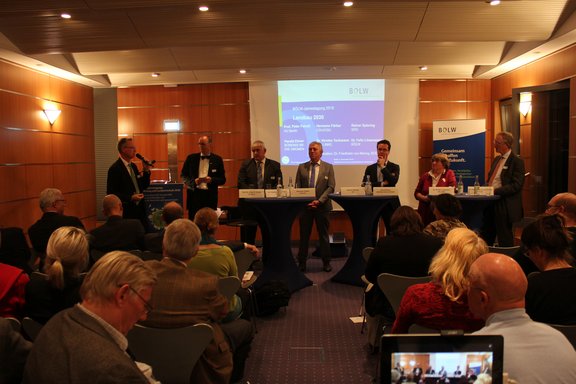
(52, 203)
(202, 173)
(117, 233)
(507, 177)
(128, 183)
(384, 173)
(319, 175)
(256, 173)
(184, 296)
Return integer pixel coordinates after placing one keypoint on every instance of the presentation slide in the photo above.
(346, 116)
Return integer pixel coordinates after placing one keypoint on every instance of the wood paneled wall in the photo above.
(35, 155)
(220, 111)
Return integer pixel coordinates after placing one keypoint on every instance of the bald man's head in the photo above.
(171, 212)
(497, 283)
(112, 206)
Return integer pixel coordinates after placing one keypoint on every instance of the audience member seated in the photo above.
(442, 304)
(12, 291)
(533, 352)
(14, 249)
(551, 293)
(185, 296)
(447, 209)
(52, 204)
(406, 252)
(59, 288)
(87, 343)
(117, 233)
(13, 353)
(170, 212)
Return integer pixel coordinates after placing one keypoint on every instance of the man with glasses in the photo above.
(128, 183)
(87, 343)
(202, 173)
(52, 204)
(507, 177)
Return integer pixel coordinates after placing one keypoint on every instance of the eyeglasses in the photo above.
(62, 200)
(498, 142)
(550, 206)
(147, 305)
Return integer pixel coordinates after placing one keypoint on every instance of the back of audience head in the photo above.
(405, 221)
(207, 221)
(66, 255)
(497, 283)
(49, 199)
(547, 234)
(446, 206)
(181, 240)
(565, 205)
(451, 265)
(171, 212)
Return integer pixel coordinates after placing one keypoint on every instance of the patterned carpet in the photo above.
(313, 340)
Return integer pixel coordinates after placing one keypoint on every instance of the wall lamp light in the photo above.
(52, 115)
(525, 103)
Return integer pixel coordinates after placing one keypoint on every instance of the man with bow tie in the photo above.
(202, 173)
(319, 175)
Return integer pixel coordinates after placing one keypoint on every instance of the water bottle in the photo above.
(476, 186)
(368, 186)
(279, 188)
(290, 187)
(460, 190)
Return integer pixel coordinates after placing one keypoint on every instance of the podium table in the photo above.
(364, 212)
(275, 219)
(473, 209)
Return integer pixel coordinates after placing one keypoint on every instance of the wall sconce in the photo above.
(525, 103)
(172, 125)
(52, 115)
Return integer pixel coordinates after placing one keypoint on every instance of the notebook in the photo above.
(441, 358)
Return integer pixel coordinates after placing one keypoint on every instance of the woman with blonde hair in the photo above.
(442, 303)
(58, 289)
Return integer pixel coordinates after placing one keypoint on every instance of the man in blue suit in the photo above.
(319, 175)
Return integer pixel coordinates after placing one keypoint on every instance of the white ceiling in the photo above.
(121, 42)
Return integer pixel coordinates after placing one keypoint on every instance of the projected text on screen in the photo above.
(346, 116)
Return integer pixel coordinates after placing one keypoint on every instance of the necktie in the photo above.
(204, 157)
(259, 175)
(493, 175)
(133, 177)
(312, 175)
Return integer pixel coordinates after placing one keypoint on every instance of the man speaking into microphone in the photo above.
(128, 183)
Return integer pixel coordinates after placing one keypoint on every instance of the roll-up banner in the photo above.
(464, 142)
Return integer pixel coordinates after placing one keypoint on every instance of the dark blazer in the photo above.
(120, 183)
(512, 177)
(13, 353)
(118, 234)
(41, 230)
(80, 351)
(325, 183)
(184, 296)
(215, 171)
(390, 173)
(14, 249)
(247, 178)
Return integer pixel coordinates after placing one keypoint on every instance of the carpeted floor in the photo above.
(313, 340)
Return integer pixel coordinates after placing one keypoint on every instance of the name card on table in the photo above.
(303, 192)
(385, 191)
(251, 193)
(271, 193)
(434, 191)
(482, 191)
(352, 191)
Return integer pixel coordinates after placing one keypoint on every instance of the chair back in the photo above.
(14, 323)
(228, 286)
(172, 353)
(244, 259)
(419, 329)
(366, 252)
(394, 286)
(149, 255)
(31, 328)
(567, 330)
(508, 251)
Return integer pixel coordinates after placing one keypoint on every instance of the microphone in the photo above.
(148, 163)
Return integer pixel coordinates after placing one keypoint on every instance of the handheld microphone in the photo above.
(148, 163)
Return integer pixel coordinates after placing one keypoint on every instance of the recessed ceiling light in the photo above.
(203, 8)
(493, 2)
(242, 71)
(348, 3)
(65, 16)
(155, 74)
(423, 68)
